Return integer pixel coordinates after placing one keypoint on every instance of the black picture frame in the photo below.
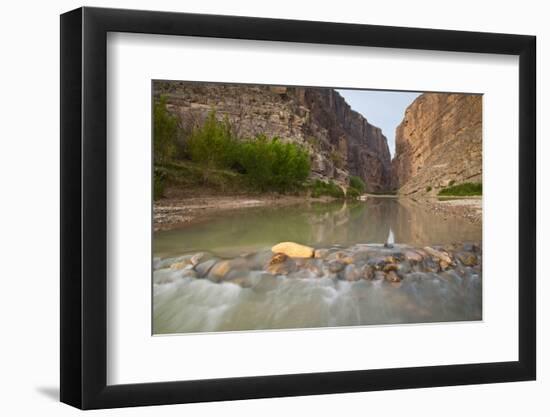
(84, 207)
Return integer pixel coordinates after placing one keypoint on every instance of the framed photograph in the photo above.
(256, 208)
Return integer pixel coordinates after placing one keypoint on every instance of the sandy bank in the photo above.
(176, 212)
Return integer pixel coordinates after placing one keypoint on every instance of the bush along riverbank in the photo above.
(213, 158)
(462, 190)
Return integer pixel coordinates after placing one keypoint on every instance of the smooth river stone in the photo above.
(294, 250)
(352, 273)
(203, 268)
(442, 256)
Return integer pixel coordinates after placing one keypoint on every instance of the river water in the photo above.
(183, 302)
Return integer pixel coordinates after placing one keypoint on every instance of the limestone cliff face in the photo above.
(341, 141)
(438, 142)
(362, 146)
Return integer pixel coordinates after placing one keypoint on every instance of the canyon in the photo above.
(231, 255)
(341, 142)
(438, 142)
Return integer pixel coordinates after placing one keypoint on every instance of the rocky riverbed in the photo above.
(292, 285)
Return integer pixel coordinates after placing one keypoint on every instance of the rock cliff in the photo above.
(341, 141)
(438, 143)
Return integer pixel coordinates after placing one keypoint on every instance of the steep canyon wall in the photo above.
(341, 141)
(438, 143)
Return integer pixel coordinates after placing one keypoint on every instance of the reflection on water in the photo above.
(318, 225)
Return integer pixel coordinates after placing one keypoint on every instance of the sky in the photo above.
(384, 109)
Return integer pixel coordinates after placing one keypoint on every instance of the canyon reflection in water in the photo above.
(182, 303)
(317, 225)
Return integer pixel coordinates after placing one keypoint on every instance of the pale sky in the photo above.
(384, 109)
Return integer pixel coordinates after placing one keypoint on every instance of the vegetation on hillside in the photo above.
(387, 192)
(213, 156)
(165, 133)
(464, 189)
(357, 184)
(267, 163)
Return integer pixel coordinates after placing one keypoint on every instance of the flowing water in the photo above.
(253, 299)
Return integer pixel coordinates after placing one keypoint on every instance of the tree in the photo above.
(212, 144)
(357, 183)
(164, 133)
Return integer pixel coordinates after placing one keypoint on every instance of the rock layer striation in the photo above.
(341, 142)
(438, 143)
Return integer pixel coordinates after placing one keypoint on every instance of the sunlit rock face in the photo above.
(438, 143)
(341, 141)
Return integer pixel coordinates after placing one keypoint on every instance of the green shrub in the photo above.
(386, 192)
(451, 183)
(320, 188)
(428, 188)
(464, 189)
(271, 164)
(212, 144)
(159, 181)
(357, 183)
(268, 164)
(353, 193)
(165, 133)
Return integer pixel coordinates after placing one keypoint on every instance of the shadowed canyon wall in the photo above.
(438, 143)
(341, 141)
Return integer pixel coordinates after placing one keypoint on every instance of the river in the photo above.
(257, 300)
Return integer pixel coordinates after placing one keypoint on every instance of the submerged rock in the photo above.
(376, 263)
(352, 273)
(278, 258)
(257, 261)
(315, 267)
(337, 255)
(321, 253)
(204, 267)
(402, 266)
(467, 259)
(413, 256)
(379, 276)
(471, 247)
(199, 257)
(367, 272)
(336, 266)
(392, 276)
(281, 266)
(222, 268)
(440, 255)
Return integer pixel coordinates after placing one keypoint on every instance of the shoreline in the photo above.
(173, 213)
(468, 208)
(177, 212)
